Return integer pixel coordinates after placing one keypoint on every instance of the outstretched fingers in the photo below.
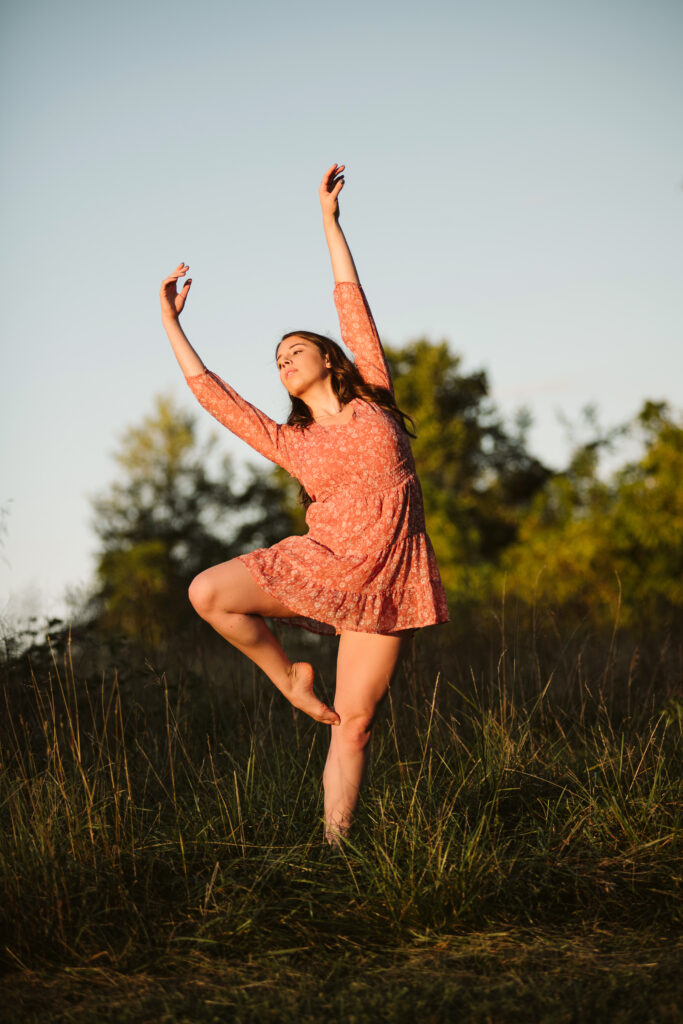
(172, 300)
(330, 176)
(179, 271)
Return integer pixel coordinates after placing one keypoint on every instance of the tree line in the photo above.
(592, 548)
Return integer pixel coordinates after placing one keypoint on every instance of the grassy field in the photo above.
(516, 855)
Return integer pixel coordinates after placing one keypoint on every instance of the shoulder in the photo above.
(293, 433)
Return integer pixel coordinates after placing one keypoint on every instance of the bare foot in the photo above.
(335, 833)
(300, 693)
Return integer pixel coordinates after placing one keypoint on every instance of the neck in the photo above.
(325, 414)
(322, 401)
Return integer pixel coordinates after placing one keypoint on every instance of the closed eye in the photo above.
(293, 352)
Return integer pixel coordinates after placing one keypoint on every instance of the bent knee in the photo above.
(355, 730)
(202, 593)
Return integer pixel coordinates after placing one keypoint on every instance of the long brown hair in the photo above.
(347, 384)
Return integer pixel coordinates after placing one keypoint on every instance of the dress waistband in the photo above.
(378, 483)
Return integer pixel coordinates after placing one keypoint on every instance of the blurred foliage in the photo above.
(610, 549)
(167, 518)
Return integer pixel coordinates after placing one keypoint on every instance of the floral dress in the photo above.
(366, 563)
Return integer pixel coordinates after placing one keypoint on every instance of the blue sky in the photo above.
(514, 185)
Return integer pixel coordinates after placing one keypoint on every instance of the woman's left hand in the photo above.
(330, 187)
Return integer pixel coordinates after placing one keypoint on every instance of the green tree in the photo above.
(600, 548)
(559, 556)
(646, 523)
(167, 518)
(477, 476)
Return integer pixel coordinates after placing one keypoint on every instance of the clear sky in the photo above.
(514, 185)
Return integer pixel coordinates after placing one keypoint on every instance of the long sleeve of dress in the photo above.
(242, 418)
(360, 335)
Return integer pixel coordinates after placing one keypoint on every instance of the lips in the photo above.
(289, 373)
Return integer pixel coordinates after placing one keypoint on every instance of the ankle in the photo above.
(336, 836)
(338, 826)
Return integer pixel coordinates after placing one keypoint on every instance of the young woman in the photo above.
(365, 570)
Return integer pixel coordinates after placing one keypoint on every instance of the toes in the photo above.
(324, 714)
(327, 715)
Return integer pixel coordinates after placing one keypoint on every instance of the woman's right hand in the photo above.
(172, 302)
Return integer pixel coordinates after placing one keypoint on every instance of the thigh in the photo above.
(365, 665)
(231, 587)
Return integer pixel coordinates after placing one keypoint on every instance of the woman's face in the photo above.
(300, 363)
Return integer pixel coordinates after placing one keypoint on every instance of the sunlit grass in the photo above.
(158, 821)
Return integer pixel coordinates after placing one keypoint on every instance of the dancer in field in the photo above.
(365, 570)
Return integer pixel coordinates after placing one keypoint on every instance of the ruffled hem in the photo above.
(413, 606)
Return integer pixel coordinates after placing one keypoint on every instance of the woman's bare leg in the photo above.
(229, 598)
(365, 665)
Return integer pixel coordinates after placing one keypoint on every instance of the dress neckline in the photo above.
(338, 426)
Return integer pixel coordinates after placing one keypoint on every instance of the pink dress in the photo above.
(366, 562)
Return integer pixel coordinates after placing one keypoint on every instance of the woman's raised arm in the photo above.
(172, 304)
(343, 266)
(356, 324)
